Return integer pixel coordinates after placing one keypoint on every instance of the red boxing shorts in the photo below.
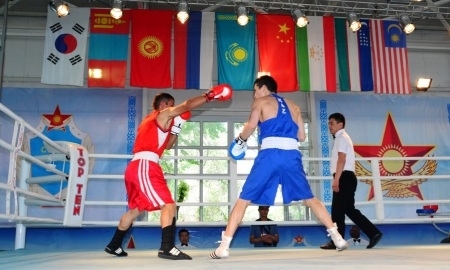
(146, 187)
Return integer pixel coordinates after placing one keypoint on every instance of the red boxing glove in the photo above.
(179, 121)
(221, 92)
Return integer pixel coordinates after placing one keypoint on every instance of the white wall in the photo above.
(429, 55)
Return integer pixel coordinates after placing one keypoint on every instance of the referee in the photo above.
(344, 184)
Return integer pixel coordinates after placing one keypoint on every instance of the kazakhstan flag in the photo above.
(235, 51)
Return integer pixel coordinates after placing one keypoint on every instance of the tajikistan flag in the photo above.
(316, 55)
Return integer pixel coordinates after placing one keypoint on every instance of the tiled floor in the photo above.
(383, 257)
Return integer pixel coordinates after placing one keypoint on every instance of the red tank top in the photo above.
(150, 136)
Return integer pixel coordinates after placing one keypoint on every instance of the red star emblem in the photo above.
(392, 146)
(56, 120)
(298, 239)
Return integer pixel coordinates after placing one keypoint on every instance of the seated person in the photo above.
(183, 236)
(265, 235)
(355, 233)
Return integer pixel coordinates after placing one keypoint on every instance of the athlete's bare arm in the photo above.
(301, 127)
(253, 119)
(173, 138)
(297, 117)
(166, 115)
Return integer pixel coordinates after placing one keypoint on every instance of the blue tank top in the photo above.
(280, 126)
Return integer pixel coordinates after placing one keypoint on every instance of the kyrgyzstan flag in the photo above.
(276, 45)
(108, 49)
(151, 32)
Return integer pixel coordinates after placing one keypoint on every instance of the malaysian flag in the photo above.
(390, 58)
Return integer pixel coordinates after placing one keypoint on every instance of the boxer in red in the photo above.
(144, 180)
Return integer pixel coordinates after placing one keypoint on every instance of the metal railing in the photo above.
(14, 190)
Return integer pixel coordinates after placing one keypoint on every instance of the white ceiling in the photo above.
(425, 14)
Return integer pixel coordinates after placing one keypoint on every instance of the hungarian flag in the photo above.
(276, 45)
(108, 49)
(354, 56)
(151, 33)
(316, 55)
(235, 51)
(390, 58)
(193, 51)
(65, 47)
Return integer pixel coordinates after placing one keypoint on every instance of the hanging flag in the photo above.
(390, 58)
(65, 47)
(151, 33)
(354, 56)
(276, 45)
(108, 49)
(235, 51)
(193, 51)
(316, 55)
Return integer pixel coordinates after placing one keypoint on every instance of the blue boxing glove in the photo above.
(237, 148)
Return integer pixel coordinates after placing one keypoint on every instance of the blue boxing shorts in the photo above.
(273, 167)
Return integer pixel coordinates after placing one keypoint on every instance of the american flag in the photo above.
(390, 58)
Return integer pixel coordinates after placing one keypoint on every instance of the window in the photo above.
(206, 183)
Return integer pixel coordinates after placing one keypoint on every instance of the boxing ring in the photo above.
(399, 258)
(17, 199)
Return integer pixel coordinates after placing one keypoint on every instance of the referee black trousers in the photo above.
(343, 204)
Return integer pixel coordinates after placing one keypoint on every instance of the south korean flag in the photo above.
(65, 47)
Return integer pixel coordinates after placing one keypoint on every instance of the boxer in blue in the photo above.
(279, 162)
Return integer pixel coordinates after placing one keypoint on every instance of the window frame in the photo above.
(233, 177)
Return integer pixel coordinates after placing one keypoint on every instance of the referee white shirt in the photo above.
(343, 144)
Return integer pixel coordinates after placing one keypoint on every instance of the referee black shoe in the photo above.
(374, 240)
(329, 245)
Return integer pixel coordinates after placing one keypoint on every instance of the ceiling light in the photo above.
(299, 18)
(423, 84)
(116, 9)
(353, 21)
(183, 11)
(60, 7)
(242, 16)
(406, 23)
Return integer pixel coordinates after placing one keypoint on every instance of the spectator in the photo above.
(183, 236)
(355, 234)
(265, 235)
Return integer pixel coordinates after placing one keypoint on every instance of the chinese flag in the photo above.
(276, 45)
(151, 32)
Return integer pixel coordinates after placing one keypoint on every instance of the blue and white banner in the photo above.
(101, 120)
(391, 126)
